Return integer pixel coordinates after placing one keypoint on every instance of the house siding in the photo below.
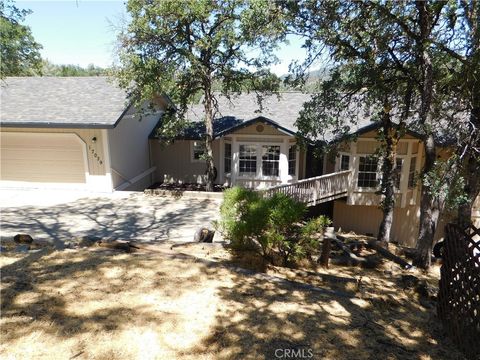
(363, 219)
(130, 150)
(174, 163)
(361, 212)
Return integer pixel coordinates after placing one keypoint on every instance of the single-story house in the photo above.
(73, 133)
(80, 133)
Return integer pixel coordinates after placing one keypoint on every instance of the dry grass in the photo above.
(101, 304)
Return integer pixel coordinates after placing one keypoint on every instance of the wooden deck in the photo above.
(316, 190)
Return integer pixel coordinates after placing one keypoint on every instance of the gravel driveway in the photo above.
(59, 216)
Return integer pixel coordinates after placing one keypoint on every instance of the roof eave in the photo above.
(252, 121)
(53, 125)
(366, 129)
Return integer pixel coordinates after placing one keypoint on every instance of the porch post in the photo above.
(221, 176)
(235, 161)
(283, 164)
(354, 174)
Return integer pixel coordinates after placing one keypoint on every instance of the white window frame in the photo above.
(248, 175)
(193, 144)
(295, 171)
(273, 177)
(229, 173)
(259, 173)
(378, 174)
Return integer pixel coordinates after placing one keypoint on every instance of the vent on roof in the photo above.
(260, 128)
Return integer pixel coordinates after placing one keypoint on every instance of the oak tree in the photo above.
(20, 53)
(185, 48)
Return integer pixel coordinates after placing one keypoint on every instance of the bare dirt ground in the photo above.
(192, 301)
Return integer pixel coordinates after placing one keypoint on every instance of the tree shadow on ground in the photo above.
(218, 311)
(92, 292)
(137, 217)
(265, 320)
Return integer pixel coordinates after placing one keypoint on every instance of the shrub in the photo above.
(243, 216)
(269, 225)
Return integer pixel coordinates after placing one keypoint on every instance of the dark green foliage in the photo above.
(187, 48)
(20, 53)
(269, 225)
(191, 48)
(244, 215)
(50, 69)
(445, 183)
(413, 63)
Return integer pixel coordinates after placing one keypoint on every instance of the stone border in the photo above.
(187, 194)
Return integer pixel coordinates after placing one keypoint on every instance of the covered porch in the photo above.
(257, 154)
(259, 163)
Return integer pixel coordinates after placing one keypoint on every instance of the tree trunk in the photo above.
(386, 224)
(388, 182)
(429, 212)
(325, 255)
(210, 172)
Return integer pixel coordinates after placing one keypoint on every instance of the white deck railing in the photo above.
(316, 190)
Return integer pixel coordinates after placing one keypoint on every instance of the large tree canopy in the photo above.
(183, 48)
(417, 56)
(20, 54)
(369, 80)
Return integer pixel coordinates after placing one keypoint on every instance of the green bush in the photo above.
(269, 225)
(243, 215)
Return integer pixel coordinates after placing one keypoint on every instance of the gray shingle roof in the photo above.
(61, 102)
(282, 110)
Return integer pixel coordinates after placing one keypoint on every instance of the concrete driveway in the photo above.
(59, 216)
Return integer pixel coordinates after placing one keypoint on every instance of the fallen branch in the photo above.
(354, 259)
(377, 246)
(117, 245)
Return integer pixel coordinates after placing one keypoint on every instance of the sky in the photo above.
(81, 32)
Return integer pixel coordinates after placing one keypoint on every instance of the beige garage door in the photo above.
(45, 158)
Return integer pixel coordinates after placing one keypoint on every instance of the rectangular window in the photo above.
(367, 172)
(248, 159)
(397, 173)
(411, 172)
(344, 162)
(270, 160)
(292, 160)
(228, 157)
(198, 150)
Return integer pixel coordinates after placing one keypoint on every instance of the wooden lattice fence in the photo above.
(459, 288)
